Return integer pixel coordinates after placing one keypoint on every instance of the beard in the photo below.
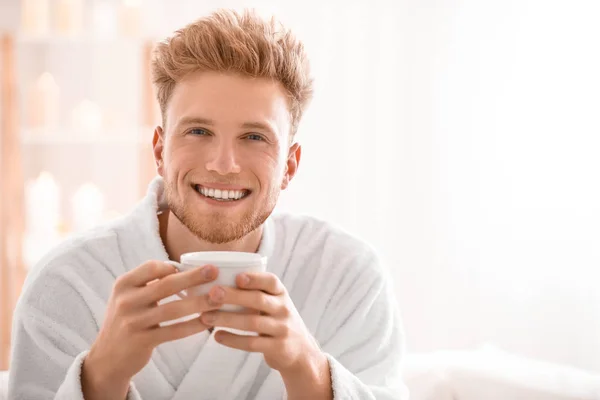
(220, 227)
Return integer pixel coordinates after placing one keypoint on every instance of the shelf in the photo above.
(122, 150)
(56, 39)
(135, 136)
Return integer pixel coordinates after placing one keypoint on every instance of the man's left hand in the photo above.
(284, 340)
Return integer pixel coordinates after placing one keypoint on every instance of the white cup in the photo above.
(229, 263)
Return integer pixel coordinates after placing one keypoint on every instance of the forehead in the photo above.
(229, 99)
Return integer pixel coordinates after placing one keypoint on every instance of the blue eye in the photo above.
(255, 137)
(199, 132)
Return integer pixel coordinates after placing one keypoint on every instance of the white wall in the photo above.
(515, 141)
(478, 179)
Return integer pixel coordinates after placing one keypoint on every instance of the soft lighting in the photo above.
(88, 207)
(104, 20)
(34, 17)
(69, 17)
(87, 117)
(44, 102)
(42, 197)
(132, 3)
(131, 18)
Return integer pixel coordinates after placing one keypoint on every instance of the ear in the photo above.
(158, 145)
(292, 165)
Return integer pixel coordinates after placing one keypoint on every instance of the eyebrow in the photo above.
(195, 120)
(257, 125)
(185, 121)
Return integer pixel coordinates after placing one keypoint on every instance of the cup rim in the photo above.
(224, 258)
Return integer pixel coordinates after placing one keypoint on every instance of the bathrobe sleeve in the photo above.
(363, 339)
(53, 330)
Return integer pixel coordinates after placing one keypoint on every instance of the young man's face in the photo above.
(226, 136)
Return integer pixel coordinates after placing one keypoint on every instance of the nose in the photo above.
(222, 158)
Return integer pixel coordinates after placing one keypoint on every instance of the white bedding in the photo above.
(494, 375)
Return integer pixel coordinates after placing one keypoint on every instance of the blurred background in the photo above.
(458, 137)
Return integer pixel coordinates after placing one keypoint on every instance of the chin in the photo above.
(219, 225)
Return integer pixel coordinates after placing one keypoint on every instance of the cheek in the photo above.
(270, 169)
(183, 159)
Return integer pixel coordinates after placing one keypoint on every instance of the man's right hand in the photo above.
(131, 330)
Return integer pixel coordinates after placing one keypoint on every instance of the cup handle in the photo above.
(183, 294)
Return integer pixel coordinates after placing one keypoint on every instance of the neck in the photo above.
(178, 240)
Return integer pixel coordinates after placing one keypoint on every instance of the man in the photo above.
(90, 322)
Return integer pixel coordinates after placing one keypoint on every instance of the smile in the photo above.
(221, 194)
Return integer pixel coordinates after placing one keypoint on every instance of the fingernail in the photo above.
(244, 279)
(208, 272)
(218, 294)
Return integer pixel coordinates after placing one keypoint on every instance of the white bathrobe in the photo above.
(336, 282)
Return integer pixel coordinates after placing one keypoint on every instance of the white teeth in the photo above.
(221, 194)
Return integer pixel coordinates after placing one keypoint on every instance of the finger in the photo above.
(254, 299)
(175, 310)
(147, 272)
(260, 344)
(265, 281)
(175, 283)
(176, 331)
(260, 324)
